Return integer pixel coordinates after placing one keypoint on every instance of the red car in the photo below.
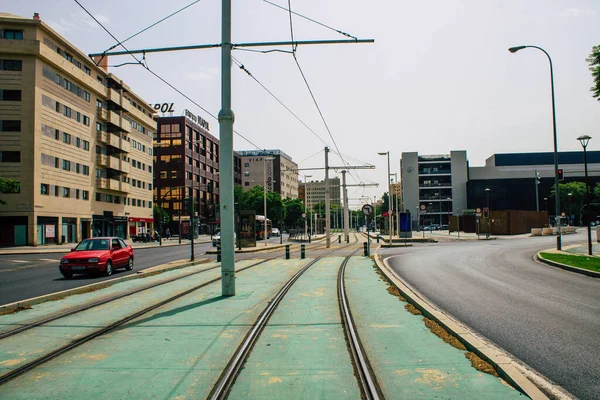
(101, 254)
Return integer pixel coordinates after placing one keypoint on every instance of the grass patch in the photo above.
(584, 262)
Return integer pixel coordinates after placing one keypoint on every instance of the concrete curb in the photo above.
(51, 250)
(253, 249)
(582, 271)
(98, 285)
(501, 361)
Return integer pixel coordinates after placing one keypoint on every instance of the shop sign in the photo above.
(50, 233)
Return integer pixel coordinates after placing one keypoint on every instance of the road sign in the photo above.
(423, 207)
(478, 210)
(304, 215)
(385, 214)
(367, 209)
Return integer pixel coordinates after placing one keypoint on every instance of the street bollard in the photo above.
(339, 238)
(302, 251)
(309, 236)
(377, 238)
(366, 248)
(287, 251)
(347, 239)
(218, 253)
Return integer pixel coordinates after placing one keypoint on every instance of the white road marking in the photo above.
(18, 261)
(49, 259)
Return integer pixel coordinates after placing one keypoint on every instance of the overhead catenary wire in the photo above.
(243, 68)
(311, 20)
(158, 76)
(152, 25)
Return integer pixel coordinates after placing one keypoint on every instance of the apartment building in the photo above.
(186, 158)
(280, 170)
(76, 138)
(314, 192)
(433, 186)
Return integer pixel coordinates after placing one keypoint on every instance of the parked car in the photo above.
(275, 232)
(216, 240)
(100, 254)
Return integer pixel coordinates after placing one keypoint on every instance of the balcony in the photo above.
(113, 163)
(112, 184)
(114, 96)
(113, 140)
(113, 118)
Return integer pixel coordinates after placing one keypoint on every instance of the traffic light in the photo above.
(537, 178)
(486, 212)
(560, 174)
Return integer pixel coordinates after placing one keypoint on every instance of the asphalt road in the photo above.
(24, 276)
(547, 317)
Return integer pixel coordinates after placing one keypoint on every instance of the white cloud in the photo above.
(578, 12)
(203, 74)
(74, 24)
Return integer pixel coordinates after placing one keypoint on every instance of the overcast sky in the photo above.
(439, 76)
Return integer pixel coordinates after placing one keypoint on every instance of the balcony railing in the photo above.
(112, 184)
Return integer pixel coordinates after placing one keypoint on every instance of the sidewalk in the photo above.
(65, 248)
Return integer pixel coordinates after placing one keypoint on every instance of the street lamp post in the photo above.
(557, 189)
(306, 208)
(584, 140)
(487, 192)
(389, 196)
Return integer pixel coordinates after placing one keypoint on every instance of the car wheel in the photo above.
(108, 271)
(130, 264)
(67, 275)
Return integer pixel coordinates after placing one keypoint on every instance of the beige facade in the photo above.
(314, 192)
(79, 141)
(280, 171)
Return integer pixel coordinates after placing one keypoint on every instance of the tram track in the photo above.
(110, 327)
(367, 381)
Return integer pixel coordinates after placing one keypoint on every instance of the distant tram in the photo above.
(260, 227)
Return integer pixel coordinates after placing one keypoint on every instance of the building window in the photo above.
(10, 156)
(66, 192)
(85, 195)
(10, 95)
(10, 126)
(98, 197)
(86, 145)
(87, 70)
(247, 184)
(66, 165)
(11, 65)
(86, 120)
(12, 34)
(77, 194)
(85, 169)
(78, 142)
(44, 189)
(66, 138)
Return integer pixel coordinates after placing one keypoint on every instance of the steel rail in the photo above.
(79, 341)
(226, 380)
(367, 381)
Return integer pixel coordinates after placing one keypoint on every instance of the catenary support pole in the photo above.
(226, 118)
(327, 201)
(346, 216)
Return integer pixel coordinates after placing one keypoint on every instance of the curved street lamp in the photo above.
(584, 140)
(557, 188)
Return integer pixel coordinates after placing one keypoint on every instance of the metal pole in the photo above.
(487, 234)
(226, 119)
(537, 191)
(327, 201)
(397, 215)
(458, 222)
(389, 200)
(346, 216)
(587, 201)
(556, 185)
(265, 198)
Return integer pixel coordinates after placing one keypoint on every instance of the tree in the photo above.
(161, 215)
(594, 62)
(293, 209)
(9, 186)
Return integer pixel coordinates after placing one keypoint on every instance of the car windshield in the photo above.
(93, 244)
